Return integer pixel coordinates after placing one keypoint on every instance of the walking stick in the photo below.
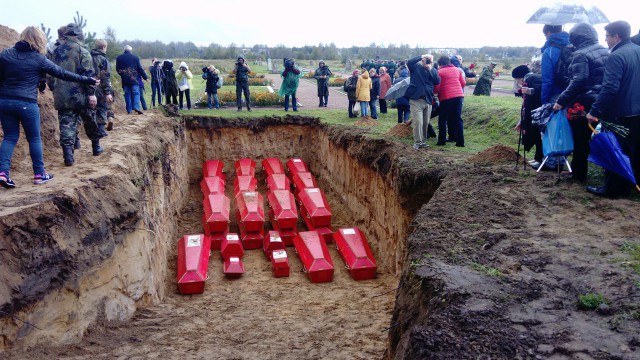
(519, 142)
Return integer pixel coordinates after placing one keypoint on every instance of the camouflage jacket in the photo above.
(102, 69)
(74, 57)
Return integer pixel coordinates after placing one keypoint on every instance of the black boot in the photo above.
(67, 153)
(76, 144)
(321, 103)
(103, 130)
(97, 149)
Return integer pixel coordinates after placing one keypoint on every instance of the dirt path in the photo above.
(308, 94)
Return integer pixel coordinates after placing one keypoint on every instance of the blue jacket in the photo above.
(620, 94)
(550, 57)
(422, 81)
(21, 69)
(129, 68)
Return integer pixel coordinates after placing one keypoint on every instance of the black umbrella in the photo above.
(561, 14)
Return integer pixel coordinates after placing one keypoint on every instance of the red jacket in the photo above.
(385, 84)
(451, 83)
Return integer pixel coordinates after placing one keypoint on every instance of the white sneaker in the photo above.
(534, 164)
(416, 146)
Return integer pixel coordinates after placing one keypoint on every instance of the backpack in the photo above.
(561, 75)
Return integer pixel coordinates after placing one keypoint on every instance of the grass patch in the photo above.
(633, 250)
(591, 301)
(487, 270)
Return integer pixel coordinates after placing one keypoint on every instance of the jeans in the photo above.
(132, 97)
(187, 93)
(420, 116)
(143, 102)
(374, 109)
(155, 89)
(12, 114)
(364, 108)
(212, 101)
(294, 102)
(403, 113)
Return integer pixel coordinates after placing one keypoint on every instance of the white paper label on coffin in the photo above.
(297, 160)
(279, 254)
(250, 194)
(275, 239)
(234, 259)
(233, 237)
(193, 240)
(313, 190)
(349, 231)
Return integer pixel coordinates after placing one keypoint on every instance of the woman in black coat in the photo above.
(322, 75)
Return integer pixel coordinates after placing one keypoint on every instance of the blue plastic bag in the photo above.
(557, 139)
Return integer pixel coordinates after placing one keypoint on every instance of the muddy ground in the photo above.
(497, 260)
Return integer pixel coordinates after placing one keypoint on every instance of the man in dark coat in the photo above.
(129, 67)
(619, 102)
(423, 80)
(157, 79)
(636, 39)
(242, 71)
(74, 101)
(322, 75)
(585, 73)
(531, 87)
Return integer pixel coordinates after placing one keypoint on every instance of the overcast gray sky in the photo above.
(297, 23)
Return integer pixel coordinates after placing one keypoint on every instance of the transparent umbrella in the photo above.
(561, 14)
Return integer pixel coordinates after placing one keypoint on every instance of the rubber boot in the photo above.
(97, 149)
(67, 153)
(102, 129)
(110, 124)
(321, 103)
(76, 144)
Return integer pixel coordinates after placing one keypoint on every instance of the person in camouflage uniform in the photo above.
(483, 86)
(102, 70)
(72, 100)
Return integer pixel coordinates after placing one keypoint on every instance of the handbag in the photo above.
(183, 87)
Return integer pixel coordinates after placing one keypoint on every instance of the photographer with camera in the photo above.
(170, 84)
(420, 94)
(156, 81)
(290, 81)
(242, 71)
(214, 82)
(322, 75)
(184, 77)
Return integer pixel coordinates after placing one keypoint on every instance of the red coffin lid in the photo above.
(304, 180)
(272, 242)
(316, 206)
(245, 167)
(296, 165)
(231, 246)
(212, 168)
(284, 209)
(354, 248)
(272, 166)
(313, 251)
(216, 212)
(193, 258)
(250, 210)
(251, 239)
(233, 267)
(212, 185)
(278, 182)
(279, 258)
(244, 183)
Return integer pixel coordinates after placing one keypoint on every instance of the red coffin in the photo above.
(216, 239)
(278, 182)
(252, 239)
(355, 250)
(316, 206)
(231, 246)
(212, 185)
(245, 167)
(244, 183)
(216, 213)
(296, 165)
(314, 255)
(303, 180)
(233, 267)
(280, 263)
(250, 210)
(193, 261)
(283, 207)
(325, 232)
(212, 168)
(272, 242)
(287, 235)
(272, 166)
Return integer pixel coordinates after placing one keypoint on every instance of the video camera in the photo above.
(205, 69)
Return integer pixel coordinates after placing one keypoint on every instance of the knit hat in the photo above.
(520, 72)
(355, 73)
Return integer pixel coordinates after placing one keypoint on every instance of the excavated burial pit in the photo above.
(259, 316)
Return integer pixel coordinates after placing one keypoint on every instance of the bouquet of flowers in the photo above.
(472, 66)
(576, 112)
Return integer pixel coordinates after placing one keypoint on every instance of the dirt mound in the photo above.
(8, 37)
(497, 154)
(367, 121)
(400, 130)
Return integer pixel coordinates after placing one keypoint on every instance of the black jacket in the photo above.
(375, 87)
(620, 94)
(129, 68)
(422, 81)
(21, 69)
(586, 69)
(212, 82)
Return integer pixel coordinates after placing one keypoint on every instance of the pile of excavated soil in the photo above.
(366, 121)
(400, 130)
(497, 154)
